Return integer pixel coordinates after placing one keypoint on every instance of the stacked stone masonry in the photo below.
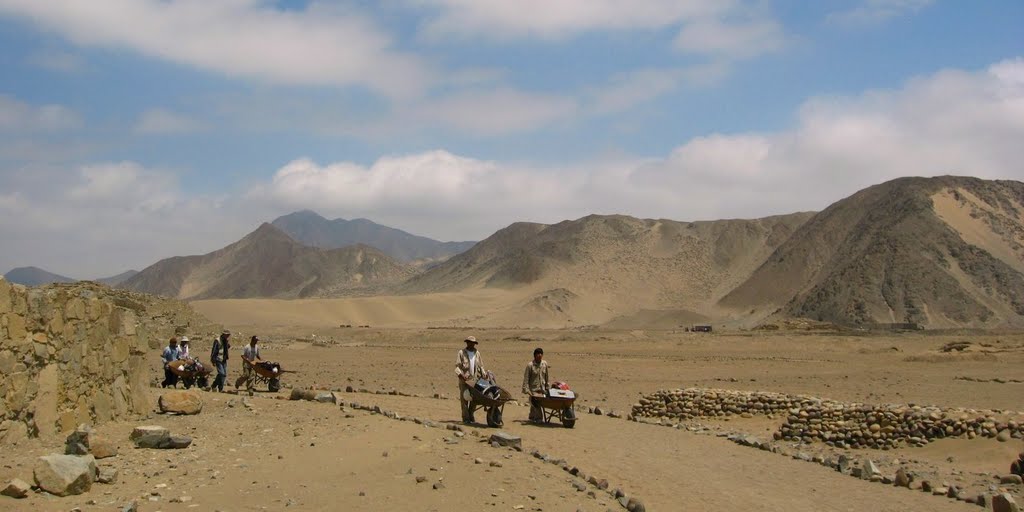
(843, 425)
(72, 354)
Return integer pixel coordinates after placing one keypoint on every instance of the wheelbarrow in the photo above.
(264, 372)
(190, 372)
(487, 395)
(557, 403)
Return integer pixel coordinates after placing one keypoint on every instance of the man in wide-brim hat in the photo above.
(469, 367)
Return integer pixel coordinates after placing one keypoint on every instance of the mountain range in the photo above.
(311, 229)
(936, 252)
(35, 276)
(269, 263)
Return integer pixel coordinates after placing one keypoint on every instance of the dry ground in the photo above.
(308, 456)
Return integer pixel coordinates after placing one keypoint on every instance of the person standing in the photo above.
(219, 358)
(468, 367)
(170, 354)
(535, 383)
(250, 354)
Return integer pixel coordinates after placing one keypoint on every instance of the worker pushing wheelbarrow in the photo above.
(547, 401)
(478, 389)
(256, 371)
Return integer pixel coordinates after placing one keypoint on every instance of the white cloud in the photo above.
(320, 45)
(20, 117)
(731, 40)
(951, 122)
(158, 121)
(557, 20)
(494, 112)
(627, 90)
(721, 29)
(101, 219)
(115, 215)
(871, 12)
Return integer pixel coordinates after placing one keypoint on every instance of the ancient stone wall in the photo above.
(73, 354)
(844, 425)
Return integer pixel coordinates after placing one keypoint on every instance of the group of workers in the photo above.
(469, 368)
(177, 351)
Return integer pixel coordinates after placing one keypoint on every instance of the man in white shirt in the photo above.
(250, 355)
(469, 367)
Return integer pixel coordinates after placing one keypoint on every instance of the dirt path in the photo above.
(677, 470)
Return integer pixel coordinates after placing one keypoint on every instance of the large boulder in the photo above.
(65, 475)
(181, 402)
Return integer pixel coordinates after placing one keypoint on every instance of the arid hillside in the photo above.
(599, 267)
(268, 263)
(939, 252)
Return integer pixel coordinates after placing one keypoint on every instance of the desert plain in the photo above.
(270, 453)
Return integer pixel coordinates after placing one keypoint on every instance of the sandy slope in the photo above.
(466, 308)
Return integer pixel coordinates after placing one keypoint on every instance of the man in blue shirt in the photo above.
(171, 353)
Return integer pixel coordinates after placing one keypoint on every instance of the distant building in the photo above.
(701, 328)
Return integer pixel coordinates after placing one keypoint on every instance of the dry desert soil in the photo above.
(269, 453)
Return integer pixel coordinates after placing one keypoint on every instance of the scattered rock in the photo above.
(148, 436)
(508, 440)
(131, 507)
(107, 475)
(634, 505)
(869, 469)
(304, 394)
(421, 479)
(843, 464)
(1003, 502)
(1003, 436)
(326, 397)
(438, 486)
(181, 402)
(902, 478)
(1010, 479)
(65, 475)
(102, 447)
(16, 488)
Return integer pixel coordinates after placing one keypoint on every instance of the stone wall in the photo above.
(73, 354)
(844, 425)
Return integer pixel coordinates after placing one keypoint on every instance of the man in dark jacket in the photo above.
(219, 358)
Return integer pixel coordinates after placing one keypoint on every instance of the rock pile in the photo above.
(889, 426)
(690, 403)
(843, 425)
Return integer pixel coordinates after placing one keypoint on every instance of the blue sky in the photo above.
(139, 129)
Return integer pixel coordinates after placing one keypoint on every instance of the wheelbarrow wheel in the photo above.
(568, 417)
(494, 417)
(274, 385)
(188, 382)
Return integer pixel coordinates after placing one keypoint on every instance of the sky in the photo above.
(134, 130)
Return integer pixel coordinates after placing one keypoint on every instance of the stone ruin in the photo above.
(76, 353)
(838, 424)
